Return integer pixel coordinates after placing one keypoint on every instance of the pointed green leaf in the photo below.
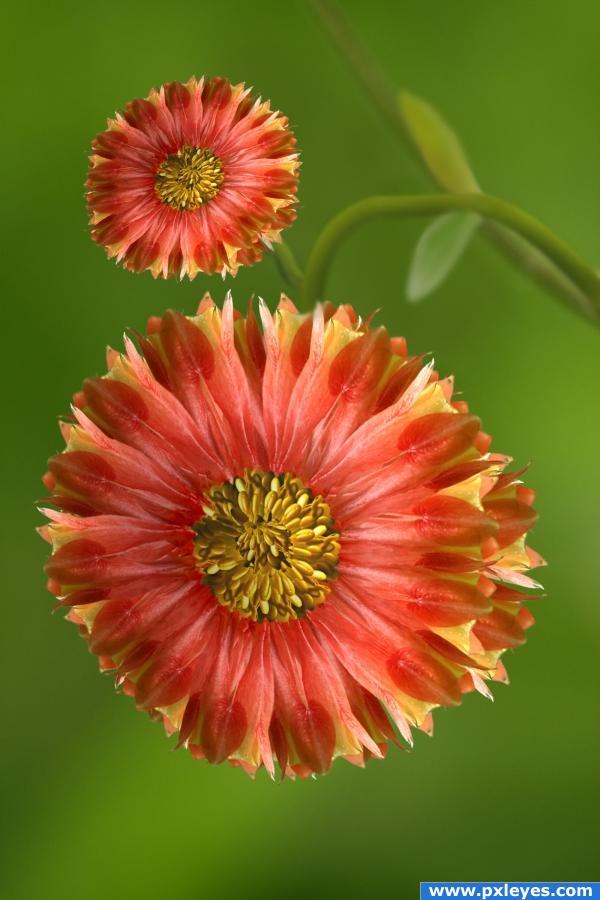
(438, 250)
(437, 143)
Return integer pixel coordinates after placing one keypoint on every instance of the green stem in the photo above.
(491, 208)
(367, 69)
(384, 96)
(287, 265)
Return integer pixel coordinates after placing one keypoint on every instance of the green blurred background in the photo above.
(96, 803)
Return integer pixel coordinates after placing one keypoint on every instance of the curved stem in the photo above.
(537, 234)
(383, 94)
(287, 265)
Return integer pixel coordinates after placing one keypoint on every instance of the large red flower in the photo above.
(198, 177)
(289, 544)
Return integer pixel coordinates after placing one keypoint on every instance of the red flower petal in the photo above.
(415, 561)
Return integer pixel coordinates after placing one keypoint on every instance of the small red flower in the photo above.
(198, 177)
(289, 544)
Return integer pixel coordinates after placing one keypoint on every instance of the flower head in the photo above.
(291, 543)
(198, 177)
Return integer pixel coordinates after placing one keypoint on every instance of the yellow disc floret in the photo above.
(188, 178)
(266, 546)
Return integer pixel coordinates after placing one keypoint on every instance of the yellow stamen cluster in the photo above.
(188, 178)
(266, 546)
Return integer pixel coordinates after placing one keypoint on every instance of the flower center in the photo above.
(267, 547)
(188, 178)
